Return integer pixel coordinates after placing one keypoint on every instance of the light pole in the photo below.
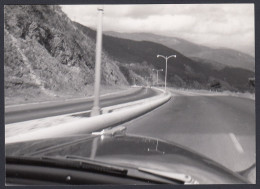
(166, 59)
(157, 74)
(96, 109)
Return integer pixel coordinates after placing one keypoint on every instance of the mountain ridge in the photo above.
(48, 54)
(182, 72)
(226, 56)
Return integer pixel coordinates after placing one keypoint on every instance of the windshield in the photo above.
(129, 93)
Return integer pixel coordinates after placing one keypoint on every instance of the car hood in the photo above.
(130, 151)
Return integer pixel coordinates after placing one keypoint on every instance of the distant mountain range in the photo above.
(182, 71)
(224, 56)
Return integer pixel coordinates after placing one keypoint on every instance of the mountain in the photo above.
(224, 56)
(45, 53)
(182, 71)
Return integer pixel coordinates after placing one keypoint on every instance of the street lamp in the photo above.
(166, 59)
(96, 109)
(157, 73)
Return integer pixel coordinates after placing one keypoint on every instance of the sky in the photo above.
(213, 25)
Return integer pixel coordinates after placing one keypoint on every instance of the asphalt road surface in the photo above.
(37, 111)
(219, 127)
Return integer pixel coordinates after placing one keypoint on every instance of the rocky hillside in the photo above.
(45, 53)
(227, 57)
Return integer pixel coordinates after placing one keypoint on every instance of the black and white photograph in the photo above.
(129, 94)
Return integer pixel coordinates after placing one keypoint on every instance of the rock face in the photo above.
(45, 52)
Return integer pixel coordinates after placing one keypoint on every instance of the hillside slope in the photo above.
(227, 57)
(46, 54)
(182, 71)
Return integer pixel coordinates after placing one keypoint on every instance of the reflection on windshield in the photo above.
(156, 149)
(94, 148)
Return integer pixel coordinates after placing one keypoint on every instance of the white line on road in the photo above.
(236, 143)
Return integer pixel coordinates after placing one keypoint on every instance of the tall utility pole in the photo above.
(96, 109)
(166, 61)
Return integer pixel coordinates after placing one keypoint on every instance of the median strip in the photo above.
(119, 114)
(37, 105)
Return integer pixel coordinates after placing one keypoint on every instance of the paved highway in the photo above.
(41, 110)
(219, 127)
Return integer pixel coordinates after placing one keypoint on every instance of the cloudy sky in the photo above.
(214, 25)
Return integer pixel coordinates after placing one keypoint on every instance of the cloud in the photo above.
(226, 25)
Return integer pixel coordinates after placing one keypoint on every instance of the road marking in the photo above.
(236, 143)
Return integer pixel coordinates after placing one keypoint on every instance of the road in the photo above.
(37, 111)
(219, 127)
